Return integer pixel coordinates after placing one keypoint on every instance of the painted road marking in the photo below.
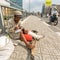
(46, 24)
(25, 20)
(58, 33)
(57, 28)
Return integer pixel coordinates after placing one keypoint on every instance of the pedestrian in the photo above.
(54, 14)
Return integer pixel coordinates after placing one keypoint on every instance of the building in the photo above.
(17, 3)
(48, 9)
(7, 12)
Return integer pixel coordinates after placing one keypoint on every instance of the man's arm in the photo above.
(10, 27)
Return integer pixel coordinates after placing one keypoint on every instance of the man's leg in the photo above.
(35, 35)
(25, 41)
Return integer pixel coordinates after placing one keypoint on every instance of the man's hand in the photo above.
(20, 27)
(16, 27)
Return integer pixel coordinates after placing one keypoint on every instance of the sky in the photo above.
(36, 5)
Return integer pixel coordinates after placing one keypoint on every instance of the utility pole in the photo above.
(29, 6)
(43, 9)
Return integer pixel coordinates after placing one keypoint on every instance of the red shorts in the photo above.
(28, 37)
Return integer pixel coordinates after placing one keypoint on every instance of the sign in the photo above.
(48, 2)
(3, 2)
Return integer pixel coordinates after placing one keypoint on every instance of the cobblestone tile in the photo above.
(46, 49)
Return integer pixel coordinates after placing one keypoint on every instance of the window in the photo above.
(7, 14)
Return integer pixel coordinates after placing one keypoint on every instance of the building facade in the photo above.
(48, 9)
(7, 11)
(17, 3)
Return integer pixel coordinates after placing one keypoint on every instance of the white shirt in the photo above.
(55, 12)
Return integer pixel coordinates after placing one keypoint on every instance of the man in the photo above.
(16, 31)
(54, 11)
(54, 15)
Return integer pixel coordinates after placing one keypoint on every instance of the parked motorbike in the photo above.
(53, 20)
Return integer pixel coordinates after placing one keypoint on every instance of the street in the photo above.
(56, 28)
(47, 48)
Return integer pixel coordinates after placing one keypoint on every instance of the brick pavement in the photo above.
(46, 49)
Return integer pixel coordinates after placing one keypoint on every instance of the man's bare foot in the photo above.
(41, 37)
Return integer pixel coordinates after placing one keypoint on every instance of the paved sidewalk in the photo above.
(46, 49)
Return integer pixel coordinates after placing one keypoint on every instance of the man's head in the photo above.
(17, 16)
(55, 8)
